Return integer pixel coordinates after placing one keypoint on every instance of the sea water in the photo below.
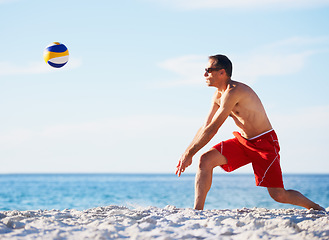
(84, 191)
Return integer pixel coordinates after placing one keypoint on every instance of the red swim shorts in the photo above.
(262, 151)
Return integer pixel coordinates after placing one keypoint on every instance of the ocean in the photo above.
(84, 191)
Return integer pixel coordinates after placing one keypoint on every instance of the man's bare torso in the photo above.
(248, 113)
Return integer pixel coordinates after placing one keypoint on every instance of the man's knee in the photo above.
(205, 162)
(211, 159)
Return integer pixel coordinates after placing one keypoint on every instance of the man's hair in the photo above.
(223, 62)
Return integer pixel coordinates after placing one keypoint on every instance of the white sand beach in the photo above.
(115, 222)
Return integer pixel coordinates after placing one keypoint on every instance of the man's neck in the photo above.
(224, 85)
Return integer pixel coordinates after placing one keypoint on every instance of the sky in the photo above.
(133, 95)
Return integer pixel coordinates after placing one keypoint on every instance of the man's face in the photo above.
(213, 74)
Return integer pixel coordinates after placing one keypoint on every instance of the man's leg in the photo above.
(203, 178)
(292, 197)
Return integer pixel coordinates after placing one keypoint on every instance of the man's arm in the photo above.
(218, 116)
(212, 112)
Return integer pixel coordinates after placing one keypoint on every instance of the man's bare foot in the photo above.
(319, 208)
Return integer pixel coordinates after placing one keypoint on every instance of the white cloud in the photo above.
(303, 136)
(241, 4)
(189, 70)
(117, 129)
(253, 67)
(298, 42)
(9, 68)
(141, 143)
(309, 118)
(284, 57)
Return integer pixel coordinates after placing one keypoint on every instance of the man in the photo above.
(256, 143)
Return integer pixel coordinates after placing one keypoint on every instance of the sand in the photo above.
(115, 222)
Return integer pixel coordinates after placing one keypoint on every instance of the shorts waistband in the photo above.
(260, 134)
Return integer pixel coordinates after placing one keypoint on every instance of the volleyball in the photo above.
(56, 54)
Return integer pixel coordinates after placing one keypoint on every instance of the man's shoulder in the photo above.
(240, 88)
(238, 91)
(235, 88)
(235, 91)
(236, 84)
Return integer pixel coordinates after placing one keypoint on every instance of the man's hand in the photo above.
(183, 163)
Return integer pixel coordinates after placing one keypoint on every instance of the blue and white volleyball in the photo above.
(56, 54)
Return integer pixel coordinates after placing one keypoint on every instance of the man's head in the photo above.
(222, 62)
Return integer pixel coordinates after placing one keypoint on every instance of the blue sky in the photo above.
(133, 95)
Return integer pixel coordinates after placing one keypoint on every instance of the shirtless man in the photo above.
(256, 143)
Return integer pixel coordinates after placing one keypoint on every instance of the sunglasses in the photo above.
(210, 70)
